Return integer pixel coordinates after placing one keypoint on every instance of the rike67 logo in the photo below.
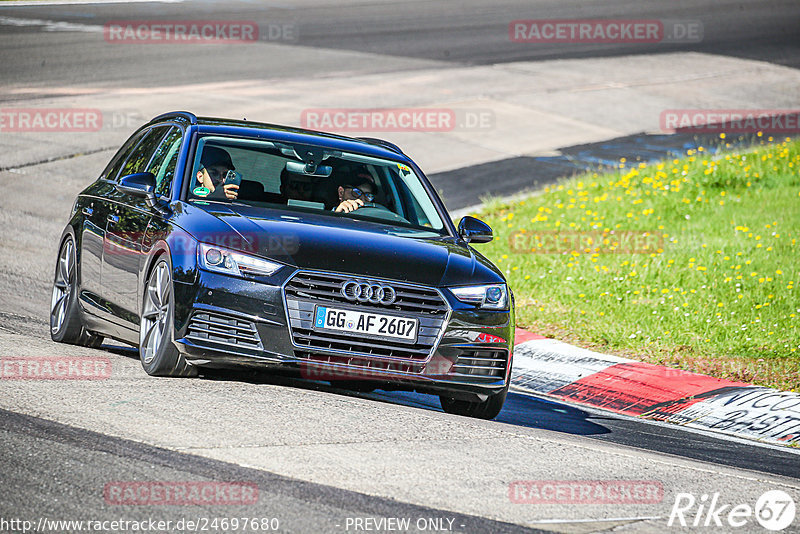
(774, 510)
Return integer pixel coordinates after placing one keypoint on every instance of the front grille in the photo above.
(224, 329)
(305, 290)
(322, 286)
(488, 363)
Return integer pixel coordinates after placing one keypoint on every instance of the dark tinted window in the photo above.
(164, 161)
(112, 169)
(139, 158)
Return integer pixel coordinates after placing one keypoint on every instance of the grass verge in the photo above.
(689, 263)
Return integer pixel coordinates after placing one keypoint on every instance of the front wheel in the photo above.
(488, 409)
(159, 355)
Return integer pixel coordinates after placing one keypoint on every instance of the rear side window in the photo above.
(112, 169)
(139, 158)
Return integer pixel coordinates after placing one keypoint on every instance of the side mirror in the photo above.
(141, 185)
(474, 230)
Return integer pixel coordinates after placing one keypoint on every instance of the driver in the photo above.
(354, 195)
(214, 166)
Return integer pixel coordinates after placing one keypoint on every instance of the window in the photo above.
(112, 169)
(273, 176)
(138, 158)
(164, 161)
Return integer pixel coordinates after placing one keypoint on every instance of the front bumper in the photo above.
(231, 322)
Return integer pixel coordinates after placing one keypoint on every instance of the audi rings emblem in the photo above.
(372, 292)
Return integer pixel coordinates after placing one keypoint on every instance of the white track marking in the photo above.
(52, 25)
(82, 2)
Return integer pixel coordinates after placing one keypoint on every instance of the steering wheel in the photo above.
(379, 211)
(373, 205)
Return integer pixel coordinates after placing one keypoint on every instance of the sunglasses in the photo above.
(217, 174)
(358, 193)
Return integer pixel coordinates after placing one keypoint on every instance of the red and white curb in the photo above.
(564, 372)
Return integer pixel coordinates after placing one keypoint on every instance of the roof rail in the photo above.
(380, 142)
(174, 114)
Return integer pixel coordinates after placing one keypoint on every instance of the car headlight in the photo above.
(491, 297)
(221, 260)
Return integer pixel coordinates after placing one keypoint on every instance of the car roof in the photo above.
(290, 134)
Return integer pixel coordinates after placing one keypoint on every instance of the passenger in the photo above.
(360, 191)
(214, 166)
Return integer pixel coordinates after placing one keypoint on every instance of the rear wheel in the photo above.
(65, 320)
(159, 355)
(488, 409)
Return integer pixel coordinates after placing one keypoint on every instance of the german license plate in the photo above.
(364, 323)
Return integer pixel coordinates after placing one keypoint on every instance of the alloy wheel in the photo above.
(154, 315)
(62, 286)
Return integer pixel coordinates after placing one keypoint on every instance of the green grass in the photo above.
(715, 291)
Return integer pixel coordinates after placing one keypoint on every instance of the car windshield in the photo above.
(309, 178)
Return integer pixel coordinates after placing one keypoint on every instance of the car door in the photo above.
(126, 221)
(93, 206)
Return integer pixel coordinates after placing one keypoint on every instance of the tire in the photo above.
(488, 409)
(65, 318)
(157, 352)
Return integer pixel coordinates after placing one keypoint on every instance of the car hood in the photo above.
(340, 244)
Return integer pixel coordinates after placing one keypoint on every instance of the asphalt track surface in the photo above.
(465, 33)
(53, 469)
(76, 462)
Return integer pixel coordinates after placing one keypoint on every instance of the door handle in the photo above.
(87, 211)
(113, 219)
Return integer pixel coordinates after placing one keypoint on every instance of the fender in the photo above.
(164, 238)
(70, 231)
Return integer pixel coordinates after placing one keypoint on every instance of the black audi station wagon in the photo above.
(215, 243)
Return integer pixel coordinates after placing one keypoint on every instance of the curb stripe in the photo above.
(634, 388)
(567, 373)
(521, 336)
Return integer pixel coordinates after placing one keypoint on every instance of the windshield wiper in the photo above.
(219, 201)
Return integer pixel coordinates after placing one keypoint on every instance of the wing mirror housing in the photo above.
(474, 230)
(140, 185)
